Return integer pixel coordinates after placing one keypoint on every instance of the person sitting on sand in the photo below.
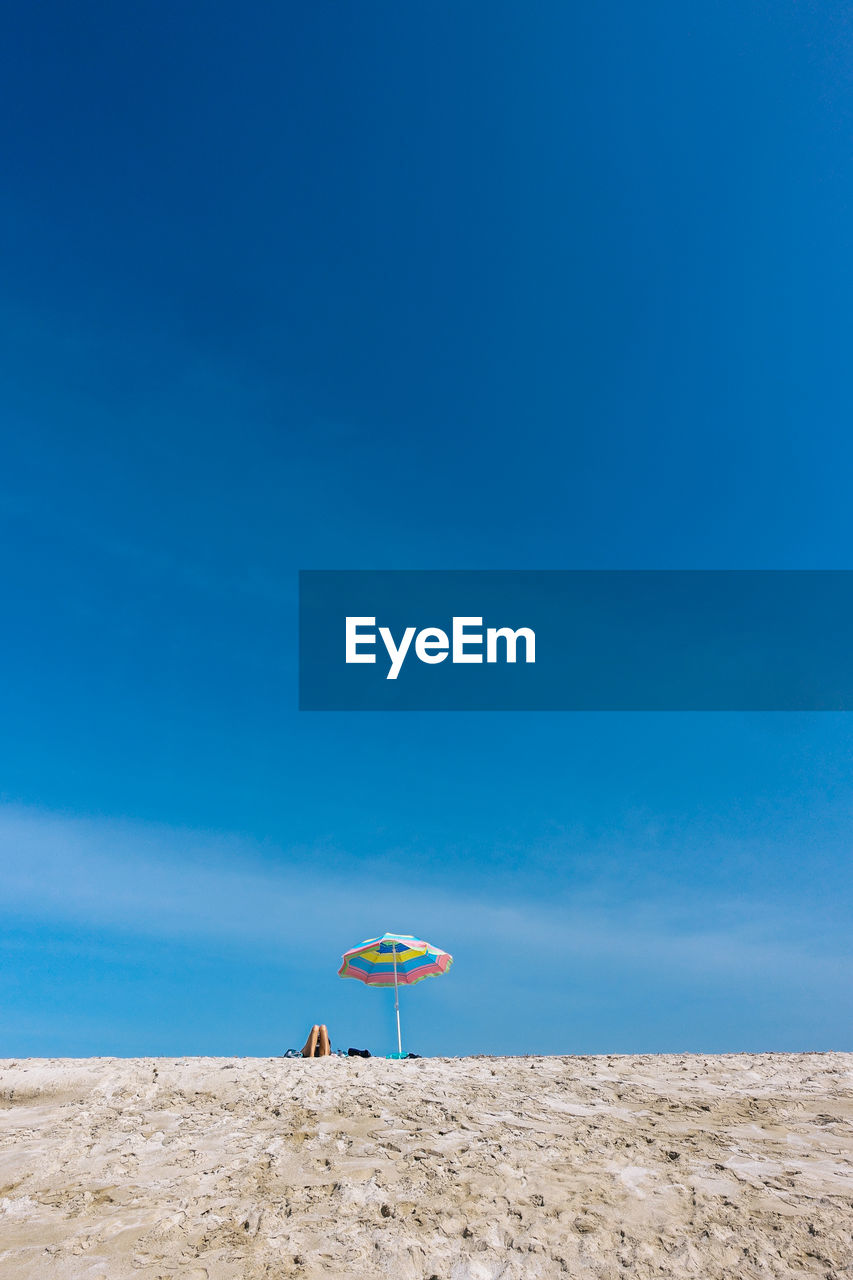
(318, 1044)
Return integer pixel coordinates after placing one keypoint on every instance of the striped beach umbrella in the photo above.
(394, 960)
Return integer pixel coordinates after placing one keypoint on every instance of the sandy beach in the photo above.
(455, 1169)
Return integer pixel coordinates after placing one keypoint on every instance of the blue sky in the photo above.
(501, 287)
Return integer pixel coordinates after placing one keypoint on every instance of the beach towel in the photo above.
(297, 1053)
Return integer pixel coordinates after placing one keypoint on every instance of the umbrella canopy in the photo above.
(394, 960)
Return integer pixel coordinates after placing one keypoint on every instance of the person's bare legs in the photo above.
(311, 1042)
(325, 1046)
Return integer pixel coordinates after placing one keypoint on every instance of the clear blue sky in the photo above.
(486, 286)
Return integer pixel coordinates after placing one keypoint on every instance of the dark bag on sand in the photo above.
(358, 1053)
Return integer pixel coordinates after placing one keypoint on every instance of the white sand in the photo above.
(468, 1169)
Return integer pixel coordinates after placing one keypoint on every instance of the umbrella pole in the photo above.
(397, 1003)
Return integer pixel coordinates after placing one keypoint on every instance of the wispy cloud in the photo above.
(172, 883)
